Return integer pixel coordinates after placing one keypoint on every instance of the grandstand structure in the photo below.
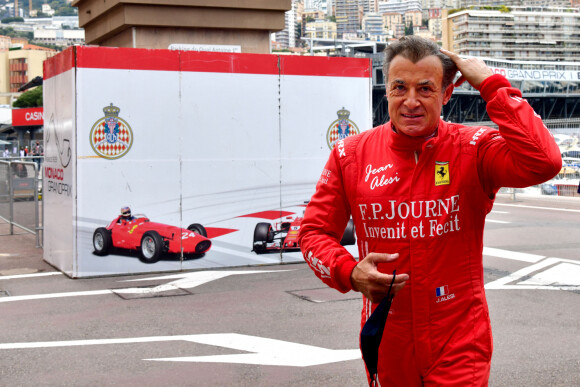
(551, 88)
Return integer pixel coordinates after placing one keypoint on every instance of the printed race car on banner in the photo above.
(152, 240)
(284, 235)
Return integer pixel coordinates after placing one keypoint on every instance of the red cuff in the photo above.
(343, 274)
(489, 87)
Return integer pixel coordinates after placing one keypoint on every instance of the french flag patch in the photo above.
(442, 291)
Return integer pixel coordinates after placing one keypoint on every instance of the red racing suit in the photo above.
(427, 200)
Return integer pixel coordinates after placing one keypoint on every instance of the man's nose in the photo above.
(411, 100)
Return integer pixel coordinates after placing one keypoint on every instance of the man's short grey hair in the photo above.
(415, 48)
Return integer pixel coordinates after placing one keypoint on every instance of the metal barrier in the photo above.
(20, 186)
(567, 135)
(566, 183)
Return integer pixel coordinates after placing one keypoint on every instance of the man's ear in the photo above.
(447, 94)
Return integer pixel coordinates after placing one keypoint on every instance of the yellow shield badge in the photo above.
(441, 173)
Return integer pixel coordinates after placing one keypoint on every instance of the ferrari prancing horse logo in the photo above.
(441, 173)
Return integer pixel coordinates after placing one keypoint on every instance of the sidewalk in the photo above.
(19, 254)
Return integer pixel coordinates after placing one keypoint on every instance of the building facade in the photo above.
(393, 22)
(320, 29)
(400, 6)
(321, 5)
(434, 21)
(370, 6)
(373, 27)
(415, 17)
(156, 24)
(523, 33)
(59, 37)
(20, 66)
(289, 35)
(347, 17)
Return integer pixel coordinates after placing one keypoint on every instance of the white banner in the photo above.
(218, 143)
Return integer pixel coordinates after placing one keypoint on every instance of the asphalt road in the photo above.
(278, 325)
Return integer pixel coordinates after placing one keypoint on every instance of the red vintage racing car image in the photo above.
(284, 235)
(152, 240)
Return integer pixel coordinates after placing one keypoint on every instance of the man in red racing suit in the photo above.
(418, 190)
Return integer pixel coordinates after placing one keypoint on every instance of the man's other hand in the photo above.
(473, 70)
(366, 278)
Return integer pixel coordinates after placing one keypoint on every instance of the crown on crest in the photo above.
(343, 114)
(111, 111)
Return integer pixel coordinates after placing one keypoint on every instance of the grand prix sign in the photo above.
(28, 117)
(537, 75)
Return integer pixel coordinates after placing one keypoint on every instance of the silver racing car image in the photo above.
(283, 235)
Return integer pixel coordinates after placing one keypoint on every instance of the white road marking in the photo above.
(267, 352)
(185, 281)
(53, 295)
(552, 274)
(496, 221)
(264, 351)
(563, 274)
(498, 212)
(499, 253)
(536, 207)
(20, 276)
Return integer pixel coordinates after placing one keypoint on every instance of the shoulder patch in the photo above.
(476, 136)
(340, 148)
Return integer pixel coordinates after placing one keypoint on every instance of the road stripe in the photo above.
(514, 255)
(20, 276)
(496, 221)
(76, 343)
(186, 280)
(537, 207)
(263, 351)
(53, 295)
(524, 279)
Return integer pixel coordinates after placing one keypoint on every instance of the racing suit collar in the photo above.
(402, 142)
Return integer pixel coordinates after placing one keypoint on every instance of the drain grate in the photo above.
(320, 295)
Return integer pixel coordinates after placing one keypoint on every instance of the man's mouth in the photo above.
(411, 115)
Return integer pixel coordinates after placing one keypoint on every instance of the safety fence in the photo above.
(20, 197)
(566, 183)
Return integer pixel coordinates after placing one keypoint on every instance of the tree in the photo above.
(12, 19)
(66, 11)
(409, 30)
(31, 98)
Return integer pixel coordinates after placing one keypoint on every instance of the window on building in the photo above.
(18, 69)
